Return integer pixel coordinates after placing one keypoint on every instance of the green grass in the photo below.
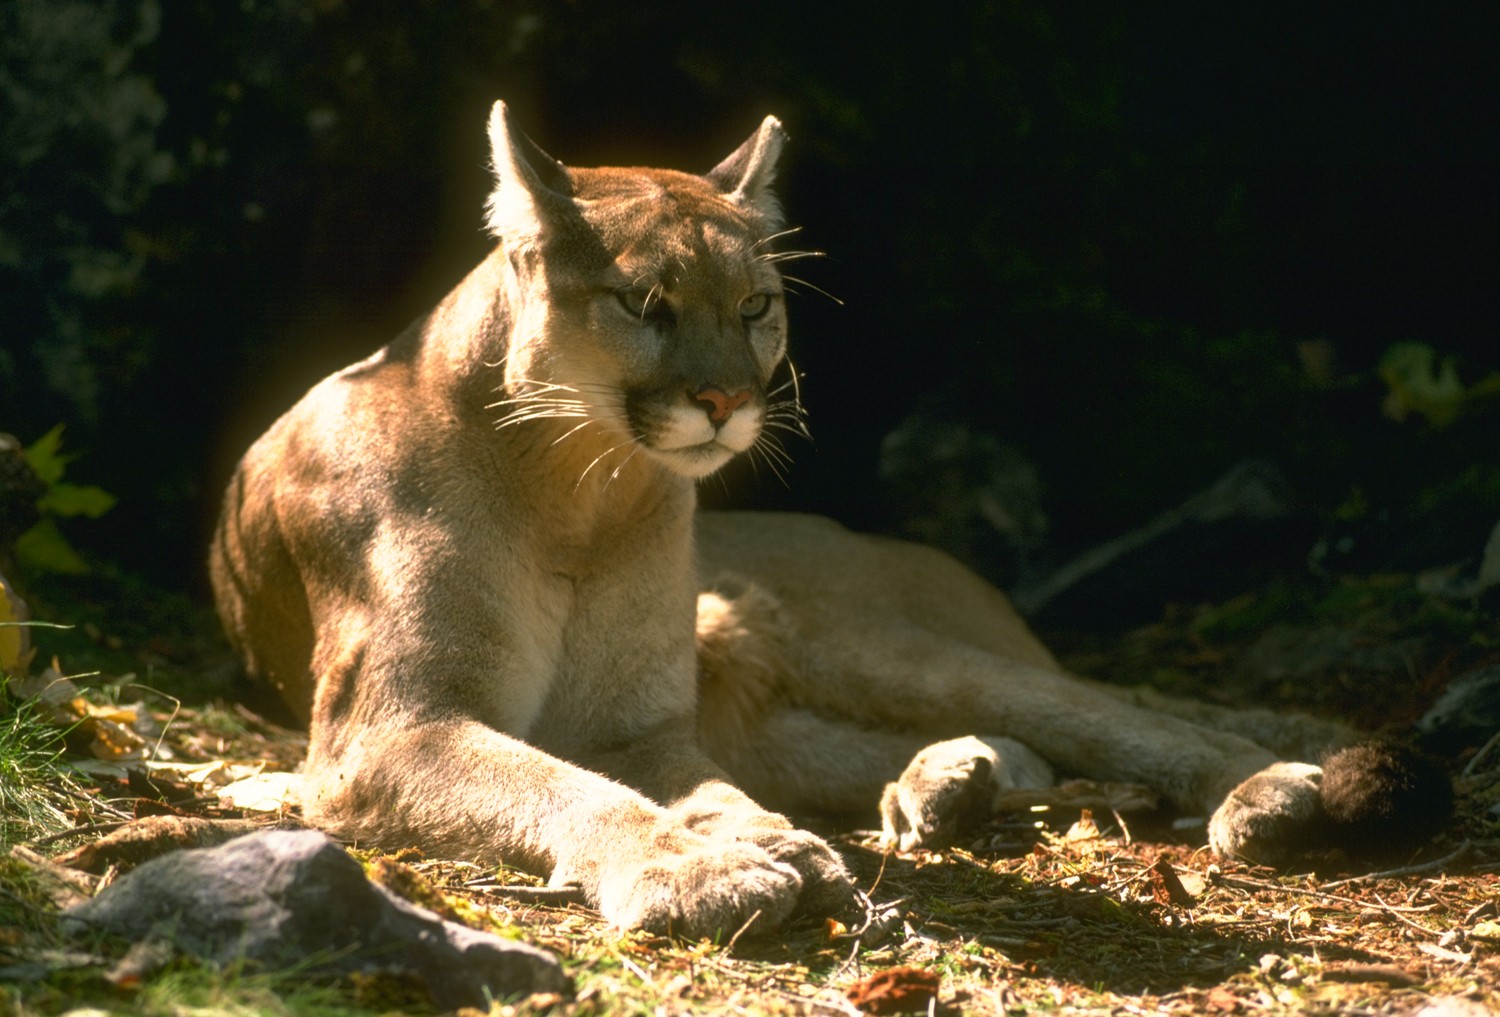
(34, 788)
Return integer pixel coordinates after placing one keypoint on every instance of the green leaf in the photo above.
(44, 457)
(43, 548)
(64, 499)
(1419, 383)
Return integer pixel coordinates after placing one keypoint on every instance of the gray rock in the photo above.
(288, 897)
(1467, 713)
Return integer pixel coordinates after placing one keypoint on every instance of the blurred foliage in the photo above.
(1135, 244)
(43, 548)
(1419, 383)
(80, 156)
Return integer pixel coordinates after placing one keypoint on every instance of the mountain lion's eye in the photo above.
(755, 305)
(642, 304)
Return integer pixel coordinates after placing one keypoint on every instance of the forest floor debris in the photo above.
(1066, 911)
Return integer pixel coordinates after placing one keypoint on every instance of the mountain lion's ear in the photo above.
(747, 174)
(528, 181)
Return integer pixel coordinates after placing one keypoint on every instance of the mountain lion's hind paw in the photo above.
(1271, 817)
(946, 788)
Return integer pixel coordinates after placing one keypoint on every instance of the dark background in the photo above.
(1101, 251)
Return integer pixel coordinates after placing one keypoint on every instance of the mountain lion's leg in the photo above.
(902, 675)
(467, 791)
(760, 654)
(807, 763)
(892, 636)
(1023, 718)
(906, 677)
(1259, 806)
(1289, 735)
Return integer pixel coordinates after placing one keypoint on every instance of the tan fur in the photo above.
(468, 561)
(892, 647)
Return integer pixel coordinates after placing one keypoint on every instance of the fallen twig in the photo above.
(1246, 883)
(1407, 870)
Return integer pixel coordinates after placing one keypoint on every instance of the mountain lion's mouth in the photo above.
(696, 460)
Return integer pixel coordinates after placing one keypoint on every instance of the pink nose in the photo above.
(719, 404)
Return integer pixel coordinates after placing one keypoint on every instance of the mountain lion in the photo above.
(469, 562)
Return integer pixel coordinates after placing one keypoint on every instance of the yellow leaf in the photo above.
(15, 641)
(115, 742)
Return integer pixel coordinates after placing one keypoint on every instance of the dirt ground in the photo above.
(1052, 911)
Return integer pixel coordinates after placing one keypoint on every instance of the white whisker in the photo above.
(776, 257)
(530, 386)
(544, 406)
(815, 289)
(523, 416)
(601, 456)
(616, 472)
(776, 236)
(527, 387)
(796, 382)
(771, 448)
(798, 430)
(573, 430)
(762, 450)
(551, 403)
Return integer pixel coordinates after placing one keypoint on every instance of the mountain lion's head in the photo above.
(646, 303)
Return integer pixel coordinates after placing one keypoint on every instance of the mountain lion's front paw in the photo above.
(711, 889)
(1271, 816)
(827, 888)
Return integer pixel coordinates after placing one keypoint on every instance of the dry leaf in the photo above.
(1084, 829)
(1222, 1000)
(144, 959)
(100, 769)
(114, 742)
(212, 774)
(264, 792)
(53, 692)
(1166, 887)
(896, 990)
(108, 729)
